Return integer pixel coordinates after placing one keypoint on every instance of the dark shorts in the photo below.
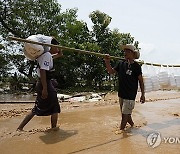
(48, 106)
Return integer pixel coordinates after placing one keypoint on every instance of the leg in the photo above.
(123, 124)
(124, 121)
(127, 107)
(130, 121)
(54, 118)
(26, 120)
(121, 104)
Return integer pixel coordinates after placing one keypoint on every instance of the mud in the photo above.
(90, 127)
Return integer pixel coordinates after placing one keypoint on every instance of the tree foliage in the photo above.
(24, 18)
(3, 63)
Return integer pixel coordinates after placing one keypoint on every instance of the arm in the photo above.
(141, 83)
(108, 65)
(44, 83)
(60, 54)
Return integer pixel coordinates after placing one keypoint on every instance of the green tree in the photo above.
(3, 64)
(24, 18)
(108, 41)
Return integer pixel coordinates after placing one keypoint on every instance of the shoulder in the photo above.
(137, 64)
(118, 65)
(46, 55)
(137, 68)
(121, 62)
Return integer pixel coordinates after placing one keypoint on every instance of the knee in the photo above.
(125, 115)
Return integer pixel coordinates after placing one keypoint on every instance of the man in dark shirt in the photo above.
(129, 73)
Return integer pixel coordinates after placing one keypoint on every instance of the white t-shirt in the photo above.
(45, 62)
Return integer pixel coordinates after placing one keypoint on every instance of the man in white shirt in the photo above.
(46, 101)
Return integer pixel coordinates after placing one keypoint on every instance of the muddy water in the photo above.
(15, 97)
(92, 130)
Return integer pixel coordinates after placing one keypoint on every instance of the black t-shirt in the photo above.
(128, 79)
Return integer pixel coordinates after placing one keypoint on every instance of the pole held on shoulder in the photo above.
(82, 51)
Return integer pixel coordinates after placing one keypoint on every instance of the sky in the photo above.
(154, 23)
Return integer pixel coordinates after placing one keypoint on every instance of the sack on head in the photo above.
(33, 51)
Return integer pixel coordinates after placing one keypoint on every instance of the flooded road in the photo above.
(16, 97)
(92, 129)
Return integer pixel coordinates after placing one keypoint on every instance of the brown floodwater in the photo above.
(16, 97)
(92, 130)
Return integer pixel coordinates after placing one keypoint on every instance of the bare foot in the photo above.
(119, 132)
(19, 129)
(132, 126)
(55, 128)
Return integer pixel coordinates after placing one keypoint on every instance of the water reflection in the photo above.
(16, 97)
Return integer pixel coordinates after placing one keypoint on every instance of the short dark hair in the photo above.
(54, 41)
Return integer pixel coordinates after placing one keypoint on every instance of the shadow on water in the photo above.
(57, 136)
(54, 137)
(124, 135)
(165, 124)
(155, 127)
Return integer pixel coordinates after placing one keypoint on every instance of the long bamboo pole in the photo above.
(63, 47)
(84, 51)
